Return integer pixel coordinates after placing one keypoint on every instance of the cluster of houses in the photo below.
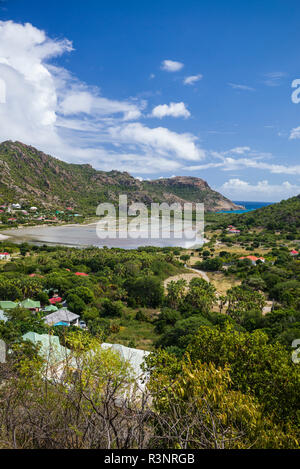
(58, 358)
(18, 214)
(54, 316)
(255, 259)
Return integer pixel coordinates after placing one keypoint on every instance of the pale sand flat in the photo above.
(3, 237)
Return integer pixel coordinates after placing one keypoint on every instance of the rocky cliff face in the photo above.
(29, 175)
(192, 189)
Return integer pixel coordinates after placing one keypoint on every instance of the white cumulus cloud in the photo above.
(172, 109)
(295, 133)
(262, 191)
(171, 65)
(44, 105)
(162, 140)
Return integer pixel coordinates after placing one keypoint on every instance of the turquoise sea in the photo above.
(249, 206)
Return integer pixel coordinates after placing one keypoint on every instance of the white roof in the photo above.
(134, 356)
(2, 316)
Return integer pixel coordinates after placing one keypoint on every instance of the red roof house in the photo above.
(55, 300)
(81, 274)
(253, 259)
(4, 255)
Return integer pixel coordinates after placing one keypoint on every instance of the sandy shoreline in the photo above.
(3, 237)
(86, 234)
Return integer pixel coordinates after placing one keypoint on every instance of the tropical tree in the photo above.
(176, 292)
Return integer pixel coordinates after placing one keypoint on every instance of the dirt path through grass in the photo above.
(188, 277)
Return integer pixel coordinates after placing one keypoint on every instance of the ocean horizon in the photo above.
(249, 206)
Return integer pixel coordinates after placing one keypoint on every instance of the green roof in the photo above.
(30, 304)
(51, 309)
(50, 348)
(8, 305)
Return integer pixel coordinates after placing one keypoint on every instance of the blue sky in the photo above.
(158, 88)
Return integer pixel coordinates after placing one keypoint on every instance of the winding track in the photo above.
(188, 277)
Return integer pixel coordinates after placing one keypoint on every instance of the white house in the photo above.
(4, 256)
(135, 358)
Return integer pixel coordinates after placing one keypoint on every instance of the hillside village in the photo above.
(225, 257)
(17, 214)
(65, 310)
(148, 312)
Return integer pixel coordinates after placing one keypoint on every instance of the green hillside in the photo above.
(31, 176)
(283, 215)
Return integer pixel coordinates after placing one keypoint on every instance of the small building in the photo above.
(3, 316)
(33, 209)
(135, 358)
(294, 253)
(50, 309)
(55, 299)
(16, 206)
(34, 306)
(59, 357)
(62, 317)
(81, 274)
(56, 355)
(4, 255)
(253, 259)
(7, 305)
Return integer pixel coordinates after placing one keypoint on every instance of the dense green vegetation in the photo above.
(221, 375)
(118, 283)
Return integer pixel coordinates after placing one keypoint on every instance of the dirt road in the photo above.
(188, 277)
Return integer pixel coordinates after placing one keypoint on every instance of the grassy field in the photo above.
(133, 333)
(222, 282)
